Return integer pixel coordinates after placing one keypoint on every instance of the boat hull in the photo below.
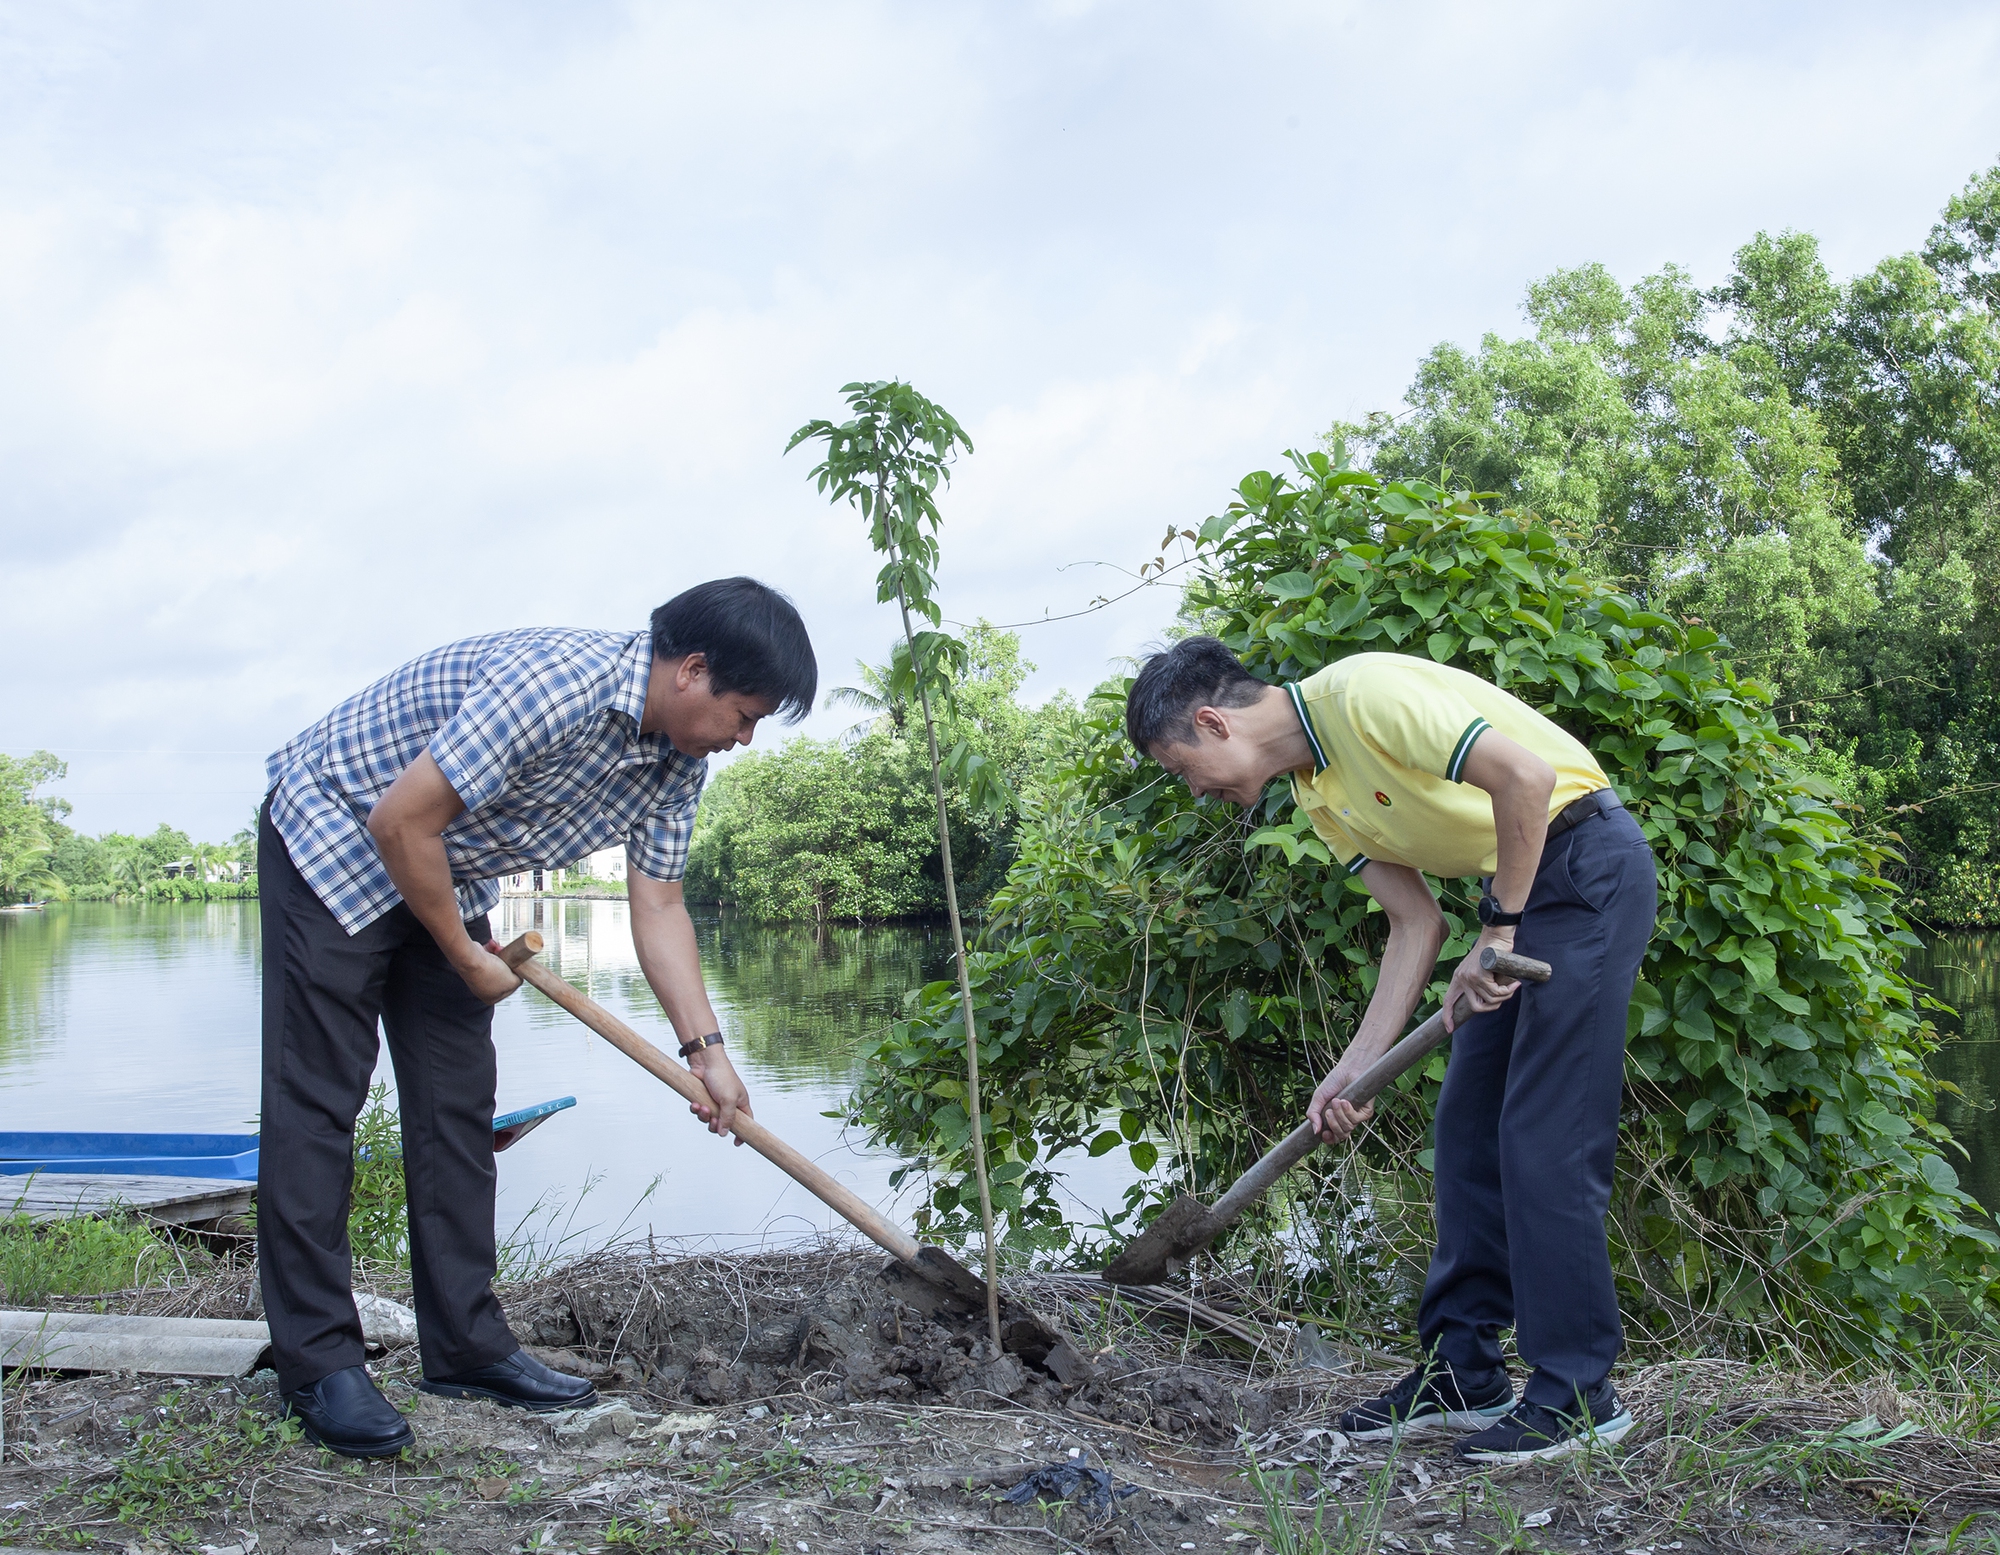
(230, 1156)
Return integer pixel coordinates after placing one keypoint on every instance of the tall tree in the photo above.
(29, 826)
(1810, 466)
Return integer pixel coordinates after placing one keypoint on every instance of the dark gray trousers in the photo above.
(1527, 1130)
(323, 993)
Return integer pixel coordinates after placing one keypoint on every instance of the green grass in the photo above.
(77, 1258)
(378, 1214)
(192, 1464)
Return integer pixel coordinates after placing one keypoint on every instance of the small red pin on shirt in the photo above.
(1380, 797)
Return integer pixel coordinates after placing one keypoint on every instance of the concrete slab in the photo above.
(158, 1346)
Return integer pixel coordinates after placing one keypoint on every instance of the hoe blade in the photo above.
(1181, 1230)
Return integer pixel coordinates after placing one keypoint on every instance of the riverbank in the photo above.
(796, 1402)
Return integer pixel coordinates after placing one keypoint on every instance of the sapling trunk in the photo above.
(886, 444)
(964, 983)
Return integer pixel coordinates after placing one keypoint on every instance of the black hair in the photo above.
(1194, 673)
(751, 636)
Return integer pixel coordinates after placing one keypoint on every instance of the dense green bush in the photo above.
(183, 889)
(822, 832)
(1163, 976)
(178, 889)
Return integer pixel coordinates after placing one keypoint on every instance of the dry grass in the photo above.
(1727, 1454)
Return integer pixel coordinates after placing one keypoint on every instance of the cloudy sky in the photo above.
(331, 333)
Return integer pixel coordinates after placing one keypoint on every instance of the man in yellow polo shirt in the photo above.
(1408, 768)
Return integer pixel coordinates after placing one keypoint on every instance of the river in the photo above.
(146, 1018)
(1963, 972)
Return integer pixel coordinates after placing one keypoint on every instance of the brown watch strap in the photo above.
(713, 1039)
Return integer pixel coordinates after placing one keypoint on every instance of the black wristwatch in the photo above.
(713, 1039)
(1491, 915)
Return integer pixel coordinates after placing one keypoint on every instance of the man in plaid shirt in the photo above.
(386, 829)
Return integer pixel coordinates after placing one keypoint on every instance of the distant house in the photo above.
(604, 864)
(530, 882)
(184, 868)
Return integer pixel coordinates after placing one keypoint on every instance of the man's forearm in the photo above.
(1407, 962)
(421, 873)
(663, 935)
(1521, 827)
(1519, 784)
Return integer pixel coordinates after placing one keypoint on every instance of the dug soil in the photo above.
(804, 1403)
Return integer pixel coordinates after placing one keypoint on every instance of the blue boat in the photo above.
(231, 1156)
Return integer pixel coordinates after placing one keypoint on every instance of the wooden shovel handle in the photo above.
(1364, 1088)
(520, 955)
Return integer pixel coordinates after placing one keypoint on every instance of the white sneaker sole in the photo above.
(1612, 1430)
(1459, 1422)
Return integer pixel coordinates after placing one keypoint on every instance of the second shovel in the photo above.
(1187, 1225)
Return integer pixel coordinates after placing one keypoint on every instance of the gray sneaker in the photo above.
(1533, 1431)
(1429, 1399)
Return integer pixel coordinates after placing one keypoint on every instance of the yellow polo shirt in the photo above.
(1390, 735)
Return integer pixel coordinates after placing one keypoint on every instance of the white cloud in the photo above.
(337, 332)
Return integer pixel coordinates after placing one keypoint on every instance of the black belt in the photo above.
(1589, 807)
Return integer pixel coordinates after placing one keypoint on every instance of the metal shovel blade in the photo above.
(1187, 1225)
(1180, 1231)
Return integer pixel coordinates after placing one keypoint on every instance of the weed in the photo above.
(185, 1466)
(1357, 1527)
(1513, 1532)
(1974, 1526)
(378, 1215)
(846, 1480)
(661, 1528)
(77, 1258)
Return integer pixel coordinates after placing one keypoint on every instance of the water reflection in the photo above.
(147, 1017)
(803, 1007)
(1963, 970)
(140, 1017)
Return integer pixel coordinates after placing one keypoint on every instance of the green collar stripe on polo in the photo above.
(1456, 770)
(1305, 723)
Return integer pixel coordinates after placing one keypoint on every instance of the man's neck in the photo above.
(659, 695)
(1271, 724)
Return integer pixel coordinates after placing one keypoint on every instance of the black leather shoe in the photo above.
(521, 1381)
(346, 1413)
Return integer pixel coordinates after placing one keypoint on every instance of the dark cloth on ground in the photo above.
(1059, 1481)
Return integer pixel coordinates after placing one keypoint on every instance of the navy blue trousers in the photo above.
(1527, 1130)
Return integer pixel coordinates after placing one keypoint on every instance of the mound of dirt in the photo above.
(846, 1328)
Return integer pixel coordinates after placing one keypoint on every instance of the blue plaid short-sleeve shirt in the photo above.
(537, 730)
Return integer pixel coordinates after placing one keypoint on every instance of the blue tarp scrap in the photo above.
(1060, 1481)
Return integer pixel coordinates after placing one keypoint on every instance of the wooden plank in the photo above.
(177, 1201)
(104, 1341)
